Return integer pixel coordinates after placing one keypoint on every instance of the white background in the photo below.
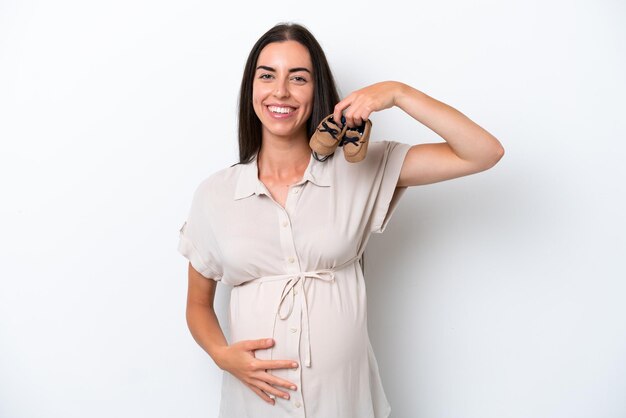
(498, 295)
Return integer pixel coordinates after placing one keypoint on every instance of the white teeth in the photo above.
(276, 109)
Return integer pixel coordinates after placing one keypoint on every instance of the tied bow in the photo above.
(296, 284)
(325, 128)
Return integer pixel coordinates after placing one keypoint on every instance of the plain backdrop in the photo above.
(498, 295)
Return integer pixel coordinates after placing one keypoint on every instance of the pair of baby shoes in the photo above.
(329, 135)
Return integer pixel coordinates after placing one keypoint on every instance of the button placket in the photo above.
(286, 232)
(293, 326)
(293, 348)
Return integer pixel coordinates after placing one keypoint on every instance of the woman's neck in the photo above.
(283, 160)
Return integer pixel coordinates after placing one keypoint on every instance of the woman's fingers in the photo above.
(264, 386)
(354, 112)
(346, 109)
(277, 381)
(250, 345)
(360, 104)
(339, 108)
(357, 121)
(276, 364)
(241, 362)
(261, 394)
(354, 119)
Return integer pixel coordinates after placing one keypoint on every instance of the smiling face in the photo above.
(282, 91)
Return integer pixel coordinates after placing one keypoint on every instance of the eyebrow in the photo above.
(291, 70)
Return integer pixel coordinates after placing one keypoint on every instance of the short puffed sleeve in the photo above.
(196, 239)
(386, 160)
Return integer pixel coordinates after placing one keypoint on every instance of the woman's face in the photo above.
(282, 91)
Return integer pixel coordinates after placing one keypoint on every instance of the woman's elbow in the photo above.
(495, 154)
(498, 153)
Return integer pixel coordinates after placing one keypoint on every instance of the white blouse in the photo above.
(297, 277)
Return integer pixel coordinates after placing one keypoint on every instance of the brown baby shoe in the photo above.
(327, 136)
(354, 142)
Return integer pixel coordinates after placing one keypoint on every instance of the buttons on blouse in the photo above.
(285, 223)
(296, 190)
(293, 329)
(297, 404)
(291, 259)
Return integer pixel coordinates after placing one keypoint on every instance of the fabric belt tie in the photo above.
(296, 285)
(288, 295)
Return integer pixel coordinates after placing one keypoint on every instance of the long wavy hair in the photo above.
(325, 95)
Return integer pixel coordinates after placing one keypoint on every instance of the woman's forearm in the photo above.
(206, 330)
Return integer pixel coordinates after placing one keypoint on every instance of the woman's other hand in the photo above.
(239, 360)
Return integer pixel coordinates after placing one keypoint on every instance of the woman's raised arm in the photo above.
(468, 148)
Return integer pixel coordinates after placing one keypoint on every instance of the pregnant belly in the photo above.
(336, 321)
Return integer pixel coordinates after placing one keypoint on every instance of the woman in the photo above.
(287, 230)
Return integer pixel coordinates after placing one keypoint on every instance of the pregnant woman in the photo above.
(286, 227)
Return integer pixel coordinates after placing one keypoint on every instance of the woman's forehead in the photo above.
(286, 54)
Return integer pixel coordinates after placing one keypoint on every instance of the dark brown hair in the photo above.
(325, 95)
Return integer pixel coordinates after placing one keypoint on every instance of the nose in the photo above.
(281, 89)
